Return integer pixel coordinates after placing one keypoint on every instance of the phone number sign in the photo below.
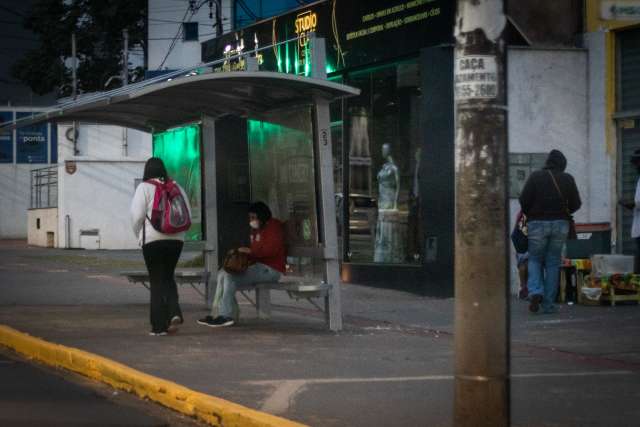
(476, 77)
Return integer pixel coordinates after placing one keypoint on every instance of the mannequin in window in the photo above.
(388, 181)
(391, 226)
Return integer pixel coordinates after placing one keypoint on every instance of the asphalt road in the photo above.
(35, 395)
(392, 365)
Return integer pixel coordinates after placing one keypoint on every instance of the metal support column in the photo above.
(481, 253)
(322, 136)
(210, 252)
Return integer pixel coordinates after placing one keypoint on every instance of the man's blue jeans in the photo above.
(545, 249)
(224, 301)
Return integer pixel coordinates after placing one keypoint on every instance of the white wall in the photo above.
(161, 33)
(602, 159)
(98, 194)
(14, 193)
(548, 109)
(37, 236)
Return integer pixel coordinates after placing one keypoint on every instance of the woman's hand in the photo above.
(244, 250)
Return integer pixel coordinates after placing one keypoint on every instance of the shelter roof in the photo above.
(170, 102)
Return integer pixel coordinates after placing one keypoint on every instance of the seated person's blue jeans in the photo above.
(546, 239)
(224, 301)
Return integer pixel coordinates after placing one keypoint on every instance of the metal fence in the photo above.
(44, 188)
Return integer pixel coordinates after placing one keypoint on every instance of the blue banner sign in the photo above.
(6, 139)
(31, 142)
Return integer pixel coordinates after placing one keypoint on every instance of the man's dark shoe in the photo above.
(534, 305)
(218, 322)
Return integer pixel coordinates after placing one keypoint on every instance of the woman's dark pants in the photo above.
(161, 258)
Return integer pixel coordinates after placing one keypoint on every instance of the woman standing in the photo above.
(161, 251)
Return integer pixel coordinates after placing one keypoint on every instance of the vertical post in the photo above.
(125, 82)
(74, 88)
(125, 57)
(481, 251)
(210, 252)
(322, 136)
(74, 66)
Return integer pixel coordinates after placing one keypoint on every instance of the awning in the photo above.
(173, 102)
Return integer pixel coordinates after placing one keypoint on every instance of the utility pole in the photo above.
(125, 82)
(74, 90)
(125, 58)
(481, 250)
(74, 66)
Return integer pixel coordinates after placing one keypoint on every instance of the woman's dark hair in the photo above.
(261, 210)
(154, 168)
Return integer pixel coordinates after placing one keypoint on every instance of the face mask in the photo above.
(254, 224)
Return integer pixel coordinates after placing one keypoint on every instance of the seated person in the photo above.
(267, 262)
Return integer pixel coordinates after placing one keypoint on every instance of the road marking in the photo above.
(58, 271)
(283, 396)
(286, 391)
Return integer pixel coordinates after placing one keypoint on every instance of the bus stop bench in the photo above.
(296, 287)
(194, 277)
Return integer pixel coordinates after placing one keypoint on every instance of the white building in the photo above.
(96, 179)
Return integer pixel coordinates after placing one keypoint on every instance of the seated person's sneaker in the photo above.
(205, 320)
(218, 322)
(157, 334)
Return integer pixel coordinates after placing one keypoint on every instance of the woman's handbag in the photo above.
(519, 234)
(235, 262)
(572, 235)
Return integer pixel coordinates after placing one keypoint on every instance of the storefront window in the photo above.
(383, 126)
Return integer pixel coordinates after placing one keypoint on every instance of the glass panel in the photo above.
(384, 152)
(6, 139)
(31, 142)
(282, 171)
(179, 149)
(281, 159)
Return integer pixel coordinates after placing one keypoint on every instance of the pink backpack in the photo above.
(170, 213)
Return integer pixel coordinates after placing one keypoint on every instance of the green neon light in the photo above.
(287, 64)
(179, 149)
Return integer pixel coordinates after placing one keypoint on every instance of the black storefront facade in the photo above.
(393, 144)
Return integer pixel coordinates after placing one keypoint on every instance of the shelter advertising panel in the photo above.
(179, 149)
(6, 139)
(31, 142)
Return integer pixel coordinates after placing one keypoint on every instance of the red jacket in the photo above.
(267, 245)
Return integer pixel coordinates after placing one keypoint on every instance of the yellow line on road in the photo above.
(210, 409)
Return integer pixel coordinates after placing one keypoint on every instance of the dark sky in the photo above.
(14, 42)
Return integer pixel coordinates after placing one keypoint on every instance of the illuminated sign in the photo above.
(306, 23)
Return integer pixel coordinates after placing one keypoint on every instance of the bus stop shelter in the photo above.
(289, 137)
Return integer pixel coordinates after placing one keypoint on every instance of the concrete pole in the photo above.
(481, 251)
(74, 66)
(74, 89)
(125, 58)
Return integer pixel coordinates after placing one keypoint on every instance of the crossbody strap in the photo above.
(566, 203)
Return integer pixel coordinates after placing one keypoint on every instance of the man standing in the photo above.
(548, 199)
(635, 206)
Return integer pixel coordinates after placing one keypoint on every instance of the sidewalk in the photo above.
(392, 364)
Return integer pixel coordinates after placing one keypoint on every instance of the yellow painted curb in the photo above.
(212, 410)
